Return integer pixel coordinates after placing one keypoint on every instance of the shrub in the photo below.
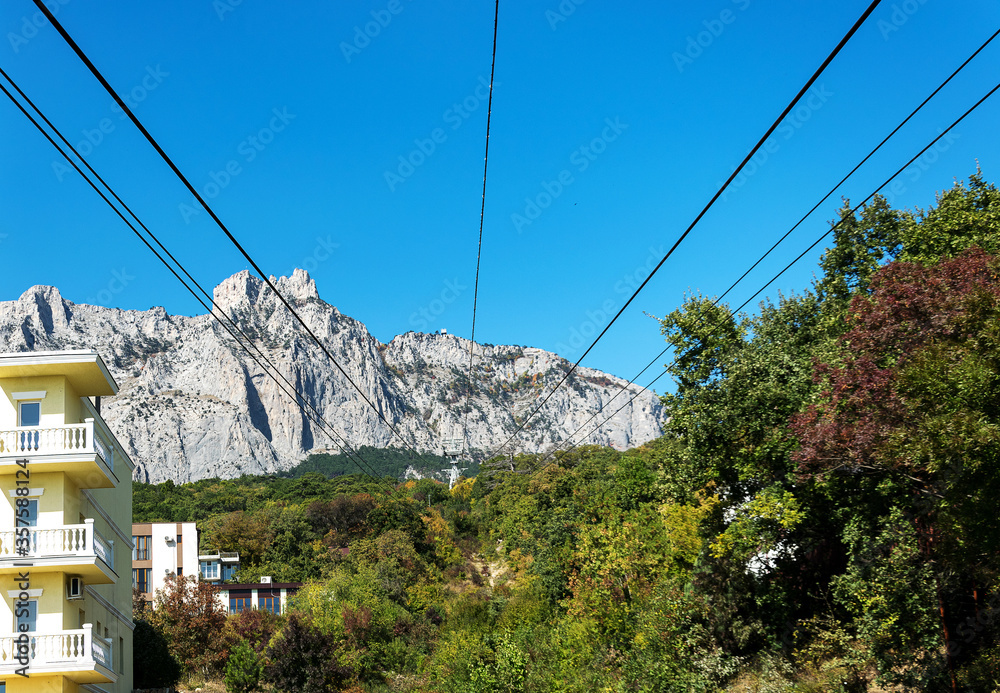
(243, 670)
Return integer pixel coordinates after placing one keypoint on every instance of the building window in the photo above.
(238, 604)
(209, 570)
(272, 604)
(180, 571)
(140, 578)
(229, 570)
(141, 550)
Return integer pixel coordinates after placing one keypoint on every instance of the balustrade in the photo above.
(66, 650)
(67, 540)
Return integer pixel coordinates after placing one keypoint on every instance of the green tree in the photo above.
(964, 217)
(243, 669)
(303, 660)
(861, 246)
(152, 663)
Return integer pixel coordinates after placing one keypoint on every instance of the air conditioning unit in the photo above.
(74, 588)
(265, 579)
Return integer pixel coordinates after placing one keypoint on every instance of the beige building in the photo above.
(65, 545)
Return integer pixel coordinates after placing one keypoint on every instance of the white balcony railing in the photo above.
(82, 541)
(57, 440)
(61, 650)
(104, 549)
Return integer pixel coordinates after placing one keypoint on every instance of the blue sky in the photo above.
(347, 138)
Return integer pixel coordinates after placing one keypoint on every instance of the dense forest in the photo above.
(820, 514)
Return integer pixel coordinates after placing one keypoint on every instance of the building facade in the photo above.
(161, 549)
(264, 595)
(66, 613)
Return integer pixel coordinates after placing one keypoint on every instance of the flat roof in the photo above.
(84, 368)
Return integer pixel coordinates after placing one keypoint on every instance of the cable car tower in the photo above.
(452, 449)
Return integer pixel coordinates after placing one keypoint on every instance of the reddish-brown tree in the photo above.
(913, 406)
(193, 621)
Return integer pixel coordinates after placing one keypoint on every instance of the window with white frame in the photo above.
(29, 415)
(209, 570)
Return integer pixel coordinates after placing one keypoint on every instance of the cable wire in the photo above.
(795, 226)
(805, 88)
(482, 216)
(854, 209)
(173, 167)
(297, 397)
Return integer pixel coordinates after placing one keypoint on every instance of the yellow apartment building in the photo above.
(65, 528)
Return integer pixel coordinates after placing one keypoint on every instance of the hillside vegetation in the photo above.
(820, 513)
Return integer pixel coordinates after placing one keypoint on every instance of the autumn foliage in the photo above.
(869, 404)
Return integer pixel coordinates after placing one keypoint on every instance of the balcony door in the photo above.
(29, 415)
(26, 614)
(32, 516)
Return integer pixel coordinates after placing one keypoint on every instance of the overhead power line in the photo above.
(787, 234)
(482, 216)
(173, 167)
(539, 467)
(760, 143)
(296, 396)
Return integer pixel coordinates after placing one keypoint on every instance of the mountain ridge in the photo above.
(192, 404)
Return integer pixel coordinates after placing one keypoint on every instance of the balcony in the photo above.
(85, 452)
(77, 549)
(75, 654)
(209, 565)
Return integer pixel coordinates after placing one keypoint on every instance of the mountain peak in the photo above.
(299, 286)
(244, 289)
(46, 307)
(41, 292)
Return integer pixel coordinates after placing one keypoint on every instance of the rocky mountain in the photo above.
(193, 404)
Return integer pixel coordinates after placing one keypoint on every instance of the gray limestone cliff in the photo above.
(193, 404)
